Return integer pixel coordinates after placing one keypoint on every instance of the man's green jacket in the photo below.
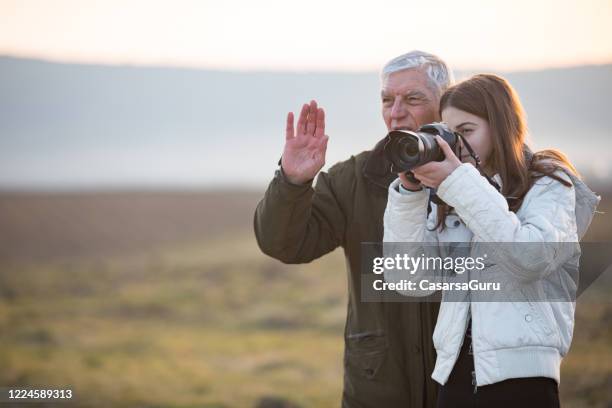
(388, 354)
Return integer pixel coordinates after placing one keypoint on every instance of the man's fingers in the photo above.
(301, 125)
(289, 132)
(312, 118)
(323, 146)
(324, 141)
(320, 123)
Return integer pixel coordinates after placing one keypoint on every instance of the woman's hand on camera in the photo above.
(432, 174)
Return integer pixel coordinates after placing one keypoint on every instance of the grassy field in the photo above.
(164, 300)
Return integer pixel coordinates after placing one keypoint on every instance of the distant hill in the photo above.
(90, 126)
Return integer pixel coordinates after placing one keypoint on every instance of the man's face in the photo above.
(408, 102)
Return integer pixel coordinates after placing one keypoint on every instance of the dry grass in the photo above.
(173, 305)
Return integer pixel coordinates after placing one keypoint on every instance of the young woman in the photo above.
(503, 353)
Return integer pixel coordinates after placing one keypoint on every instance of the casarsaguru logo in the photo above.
(405, 285)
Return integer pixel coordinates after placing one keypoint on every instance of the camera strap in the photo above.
(477, 162)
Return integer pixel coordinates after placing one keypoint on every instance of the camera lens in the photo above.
(406, 149)
(411, 147)
(403, 149)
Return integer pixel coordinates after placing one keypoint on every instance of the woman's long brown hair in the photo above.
(491, 98)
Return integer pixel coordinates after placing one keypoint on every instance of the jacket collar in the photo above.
(377, 168)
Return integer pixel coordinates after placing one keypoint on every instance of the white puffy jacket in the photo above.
(511, 339)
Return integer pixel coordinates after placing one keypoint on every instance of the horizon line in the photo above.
(196, 67)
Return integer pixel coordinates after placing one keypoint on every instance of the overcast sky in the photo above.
(309, 35)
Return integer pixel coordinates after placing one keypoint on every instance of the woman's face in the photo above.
(474, 129)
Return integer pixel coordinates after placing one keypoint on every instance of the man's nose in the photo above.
(397, 110)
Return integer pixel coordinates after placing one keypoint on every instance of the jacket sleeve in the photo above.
(408, 232)
(547, 226)
(299, 223)
(405, 218)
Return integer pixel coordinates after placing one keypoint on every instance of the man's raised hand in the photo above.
(305, 145)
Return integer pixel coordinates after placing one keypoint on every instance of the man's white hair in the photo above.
(440, 76)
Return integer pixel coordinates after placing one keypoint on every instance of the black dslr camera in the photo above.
(406, 149)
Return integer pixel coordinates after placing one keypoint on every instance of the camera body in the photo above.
(407, 149)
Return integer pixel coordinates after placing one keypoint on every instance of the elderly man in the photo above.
(389, 355)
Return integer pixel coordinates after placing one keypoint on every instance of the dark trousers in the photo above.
(460, 391)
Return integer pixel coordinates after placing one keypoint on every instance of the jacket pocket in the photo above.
(365, 353)
(538, 319)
